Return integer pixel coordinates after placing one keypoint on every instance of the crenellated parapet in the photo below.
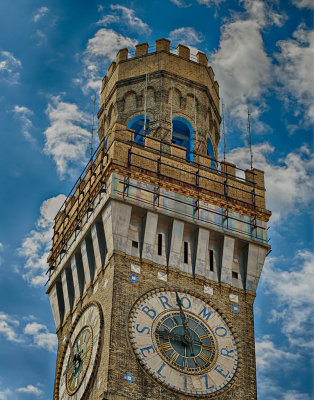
(162, 84)
(155, 177)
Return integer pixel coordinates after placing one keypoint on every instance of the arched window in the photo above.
(182, 135)
(210, 152)
(137, 124)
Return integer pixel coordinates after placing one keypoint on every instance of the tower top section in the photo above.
(165, 92)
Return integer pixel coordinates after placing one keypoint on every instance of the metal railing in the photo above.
(92, 181)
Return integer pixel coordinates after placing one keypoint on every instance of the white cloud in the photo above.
(23, 113)
(30, 389)
(108, 19)
(42, 338)
(66, 138)
(100, 50)
(242, 63)
(5, 393)
(127, 16)
(36, 246)
(268, 389)
(9, 68)
(8, 327)
(294, 395)
(32, 334)
(40, 37)
(289, 182)
(180, 3)
(186, 35)
(106, 43)
(295, 72)
(292, 290)
(268, 355)
(303, 3)
(209, 3)
(40, 13)
(1, 250)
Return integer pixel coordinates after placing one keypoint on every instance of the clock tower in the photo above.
(158, 249)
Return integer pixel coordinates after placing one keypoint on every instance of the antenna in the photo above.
(195, 118)
(145, 104)
(249, 133)
(171, 107)
(92, 136)
(223, 127)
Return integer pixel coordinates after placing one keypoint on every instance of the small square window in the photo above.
(135, 244)
(211, 260)
(159, 244)
(186, 253)
(234, 275)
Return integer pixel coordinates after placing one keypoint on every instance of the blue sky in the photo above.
(53, 55)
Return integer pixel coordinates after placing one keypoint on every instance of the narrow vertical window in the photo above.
(159, 244)
(186, 253)
(211, 260)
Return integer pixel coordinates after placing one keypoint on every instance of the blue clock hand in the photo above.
(187, 335)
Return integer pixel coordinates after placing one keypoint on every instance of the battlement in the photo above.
(177, 65)
(164, 166)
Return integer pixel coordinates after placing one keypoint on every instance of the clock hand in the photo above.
(187, 335)
(77, 360)
(69, 367)
(171, 335)
(184, 321)
(74, 357)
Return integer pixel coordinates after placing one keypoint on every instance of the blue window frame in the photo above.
(137, 124)
(210, 152)
(182, 135)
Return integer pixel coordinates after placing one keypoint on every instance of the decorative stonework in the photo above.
(203, 365)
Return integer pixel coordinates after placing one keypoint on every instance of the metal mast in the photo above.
(249, 133)
(92, 135)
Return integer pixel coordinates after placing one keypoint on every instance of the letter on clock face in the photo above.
(227, 353)
(205, 314)
(206, 382)
(221, 331)
(145, 329)
(165, 302)
(221, 371)
(149, 311)
(148, 350)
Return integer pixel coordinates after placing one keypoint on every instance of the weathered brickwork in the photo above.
(116, 294)
(174, 81)
(150, 215)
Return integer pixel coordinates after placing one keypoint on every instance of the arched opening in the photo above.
(182, 135)
(137, 124)
(210, 152)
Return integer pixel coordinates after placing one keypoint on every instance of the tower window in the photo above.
(186, 252)
(159, 244)
(211, 260)
(235, 275)
(135, 244)
(137, 124)
(210, 153)
(182, 135)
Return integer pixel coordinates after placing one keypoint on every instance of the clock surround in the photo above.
(213, 367)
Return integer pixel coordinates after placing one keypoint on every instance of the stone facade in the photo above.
(116, 292)
(142, 217)
(173, 81)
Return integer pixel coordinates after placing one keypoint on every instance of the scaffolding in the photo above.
(163, 166)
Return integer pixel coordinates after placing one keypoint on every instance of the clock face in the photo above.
(183, 342)
(80, 357)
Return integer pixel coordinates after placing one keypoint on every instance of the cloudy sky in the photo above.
(53, 55)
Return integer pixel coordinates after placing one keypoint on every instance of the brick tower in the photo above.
(158, 250)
